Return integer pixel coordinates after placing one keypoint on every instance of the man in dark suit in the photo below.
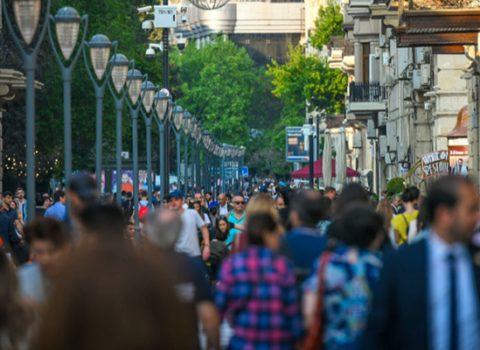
(223, 207)
(427, 297)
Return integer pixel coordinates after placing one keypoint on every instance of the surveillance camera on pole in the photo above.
(151, 50)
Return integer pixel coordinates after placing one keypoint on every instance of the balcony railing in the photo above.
(365, 92)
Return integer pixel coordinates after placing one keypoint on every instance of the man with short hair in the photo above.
(162, 232)
(395, 202)
(58, 210)
(81, 193)
(21, 202)
(236, 217)
(143, 199)
(223, 207)
(304, 244)
(11, 213)
(50, 245)
(102, 224)
(8, 235)
(330, 192)
(459, 169)
(188, 243)
(209, 199)
(428, 294)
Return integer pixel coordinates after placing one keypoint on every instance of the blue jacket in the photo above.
(7, 231)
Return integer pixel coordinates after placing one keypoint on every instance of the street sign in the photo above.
(296, 145)
(245, 171)
(231, 173)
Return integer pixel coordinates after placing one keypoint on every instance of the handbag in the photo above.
(314, 338)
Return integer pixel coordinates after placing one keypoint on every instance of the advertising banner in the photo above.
(296, 145)
(435, 163)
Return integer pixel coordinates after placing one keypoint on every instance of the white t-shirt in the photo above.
(188, 240)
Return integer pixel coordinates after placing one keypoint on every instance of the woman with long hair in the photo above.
(115, 298)
(259, 277)
(384, 208)
(401, 222)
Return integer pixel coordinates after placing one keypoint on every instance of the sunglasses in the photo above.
(243, 203)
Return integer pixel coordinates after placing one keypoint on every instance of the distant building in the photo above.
(265, 29)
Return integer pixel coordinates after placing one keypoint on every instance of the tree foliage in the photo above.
(217, 86)
(328, 23)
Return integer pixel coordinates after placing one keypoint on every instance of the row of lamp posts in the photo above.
(125, 84)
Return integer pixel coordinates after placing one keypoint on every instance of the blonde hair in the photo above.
(263, 203)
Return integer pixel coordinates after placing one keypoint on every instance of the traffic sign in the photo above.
(245, 171)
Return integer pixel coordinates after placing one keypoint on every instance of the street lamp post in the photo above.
(135, 79)
(67, 25)
(310, 151)
(193, 133)
(187, 124)
(162, 109)
(120, 65)
(27, 15)
(149, 90)
(100, 47)
(223, 154)
(177, 128)
(198, 170)
(206, 139)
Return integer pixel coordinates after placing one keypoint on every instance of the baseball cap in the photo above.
(84, 185)
(176, 194)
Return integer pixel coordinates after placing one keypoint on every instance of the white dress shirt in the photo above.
(439, 293)
(223, 210)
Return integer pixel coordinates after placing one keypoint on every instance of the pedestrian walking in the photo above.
(402, 221)
(110, 298)
(257, 289)
(162, 232)
(188, 242)
(337, 296)
(58, 210)
(303, 244)
(428, 293)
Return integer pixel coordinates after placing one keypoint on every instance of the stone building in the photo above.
(405, 90)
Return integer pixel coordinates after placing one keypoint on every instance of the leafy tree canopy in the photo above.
(328, 23)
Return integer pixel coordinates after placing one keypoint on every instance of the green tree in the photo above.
(305, 78)
(328, 23)
(218, 82)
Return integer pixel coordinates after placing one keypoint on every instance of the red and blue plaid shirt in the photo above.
(257, 288)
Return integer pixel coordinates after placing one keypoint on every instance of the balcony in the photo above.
(365, 92)
(365, 99)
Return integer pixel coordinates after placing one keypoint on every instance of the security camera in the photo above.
(145, 9)
(150, 54)
(147, 26)
(151, 50)
(183, 9)
(181, 44)
(184, 19)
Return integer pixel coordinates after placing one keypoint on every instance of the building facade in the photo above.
(405, 93)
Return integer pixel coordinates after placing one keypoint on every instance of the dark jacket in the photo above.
(302, 246)
(399, 318)
(7, 231)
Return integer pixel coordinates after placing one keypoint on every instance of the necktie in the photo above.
(453, 303)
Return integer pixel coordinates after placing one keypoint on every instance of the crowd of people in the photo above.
(286, 268)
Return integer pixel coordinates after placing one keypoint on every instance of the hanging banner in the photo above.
(296, 145)
(435, 163)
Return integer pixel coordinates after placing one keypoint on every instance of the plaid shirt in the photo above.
(258, 288)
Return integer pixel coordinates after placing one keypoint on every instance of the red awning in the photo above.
(304, 173)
